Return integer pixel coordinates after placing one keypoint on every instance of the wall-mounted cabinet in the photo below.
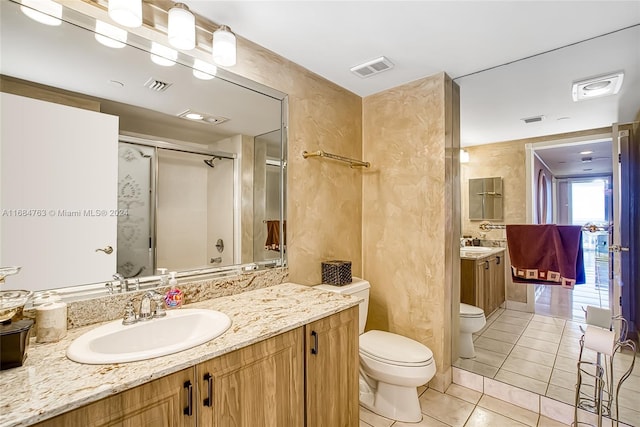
(482, 282)
(485, 199)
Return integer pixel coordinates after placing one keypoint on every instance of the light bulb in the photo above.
(43, 11)
(182, 27)
(110, 36)
(163, 55)
(203, 70)
(126, 12)
(224, 47)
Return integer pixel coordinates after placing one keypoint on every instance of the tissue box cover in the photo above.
(336, 272)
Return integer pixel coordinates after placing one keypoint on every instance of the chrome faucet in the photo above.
(145, 312)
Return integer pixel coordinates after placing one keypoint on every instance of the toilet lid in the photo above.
(394, 349)
(467, 310)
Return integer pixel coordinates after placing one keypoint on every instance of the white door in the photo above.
(52, 227)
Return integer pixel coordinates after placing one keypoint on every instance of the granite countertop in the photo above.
(49, 384)
(468, 254)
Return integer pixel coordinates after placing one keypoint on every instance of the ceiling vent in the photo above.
(157, 85)
(196, 116)
(535, 119)
(595, 87)
(372, 67)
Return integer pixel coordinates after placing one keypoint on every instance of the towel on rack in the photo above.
(546, 254)
(273, 235)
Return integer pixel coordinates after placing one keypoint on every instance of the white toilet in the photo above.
(471, 321)
(391, 366)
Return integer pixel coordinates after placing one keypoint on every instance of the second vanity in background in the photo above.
(482, 277)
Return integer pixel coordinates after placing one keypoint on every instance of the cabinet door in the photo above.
(483, 285)
(259, 385)
(468, 286)
(332, 363)
(160, 403)
(497, 281)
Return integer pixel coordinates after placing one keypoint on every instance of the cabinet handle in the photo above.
(209, 400)
(314, 349)
(486, 265)
(497, 260)
(189, 409)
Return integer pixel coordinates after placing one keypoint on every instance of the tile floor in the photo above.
(539, 354)
(461, 406)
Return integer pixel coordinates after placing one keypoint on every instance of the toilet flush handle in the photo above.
(314, 349)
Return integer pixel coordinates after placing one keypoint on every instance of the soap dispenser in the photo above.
(173, 298)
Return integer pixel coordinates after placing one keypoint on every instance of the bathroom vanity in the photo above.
(482, 278)
(290, 358)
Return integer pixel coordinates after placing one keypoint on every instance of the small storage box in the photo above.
(336, 272)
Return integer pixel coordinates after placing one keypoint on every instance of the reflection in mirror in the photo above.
(485, 199)
(112, 164)
(519, 345)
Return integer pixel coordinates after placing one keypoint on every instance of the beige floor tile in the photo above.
(529, 369)
(548, 422)
(445, 408)
(536, 344)
(489, 357)
(482, 417)
(546, 327)
(563, 379)
(374, 420)
(507, 327)
(513, 320)
(521, 381)
(518, 314)
(533, 355)
(422, 389)
(493, 345)
(466, 394)
(363, 424)
(501, 336)
(540, 335)
(512, 411)
(561, 394)
(427, 421)
(476, 367)
(566, 364)
(549, 320)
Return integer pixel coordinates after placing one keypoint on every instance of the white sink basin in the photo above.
(117, 343)
(475, 249)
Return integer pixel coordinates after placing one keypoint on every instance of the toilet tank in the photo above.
(358, 288)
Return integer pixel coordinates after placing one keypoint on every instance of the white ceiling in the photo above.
(461, 37)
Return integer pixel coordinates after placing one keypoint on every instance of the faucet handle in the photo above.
(158, 300)
(129, 314)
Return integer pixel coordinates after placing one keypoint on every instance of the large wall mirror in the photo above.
(117, 161)
(513, 348)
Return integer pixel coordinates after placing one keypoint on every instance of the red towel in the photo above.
(546, 254)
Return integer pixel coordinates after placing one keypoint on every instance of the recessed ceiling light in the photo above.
(595, 87)
(194, 116)
(202, 117)
(586, 152)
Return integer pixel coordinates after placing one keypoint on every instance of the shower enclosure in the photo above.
(177, 208)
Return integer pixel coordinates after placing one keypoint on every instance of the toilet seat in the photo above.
(471, 311)
(394, 349)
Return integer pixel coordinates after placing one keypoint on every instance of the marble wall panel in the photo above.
(407, 213)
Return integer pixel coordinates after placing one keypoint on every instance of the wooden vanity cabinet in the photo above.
(482, 282)
(162, 402)
(258, 385)
(307, 376)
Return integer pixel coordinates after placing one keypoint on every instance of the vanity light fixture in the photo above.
(126, 12)
(224, 47)
(203, 70)
(109, 35)
(464, 156)
(595, 87)
(45, 12)
(163, 55)
(182, 27)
